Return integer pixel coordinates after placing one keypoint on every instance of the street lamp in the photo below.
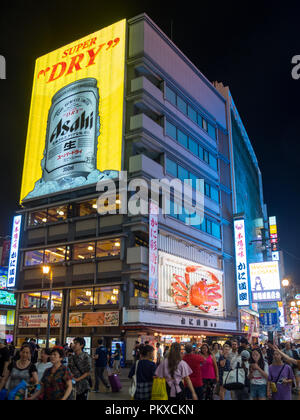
(47, 270)
(285, 283)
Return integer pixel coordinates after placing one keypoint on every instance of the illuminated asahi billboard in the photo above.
(75, 125)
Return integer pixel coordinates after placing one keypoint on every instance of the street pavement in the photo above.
(107, 395)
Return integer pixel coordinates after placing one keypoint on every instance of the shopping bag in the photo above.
(3, 394)
(132, 388)
(18, 393)
(159, 390)
(235, 379)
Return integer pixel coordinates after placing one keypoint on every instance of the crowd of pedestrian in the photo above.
(201, 373)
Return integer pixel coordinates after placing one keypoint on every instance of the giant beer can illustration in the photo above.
(72, 132)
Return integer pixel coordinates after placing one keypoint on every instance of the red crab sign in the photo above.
(202, 295)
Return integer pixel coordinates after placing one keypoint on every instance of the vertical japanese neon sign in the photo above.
(14, 251)
(241, 263)
(153, 250)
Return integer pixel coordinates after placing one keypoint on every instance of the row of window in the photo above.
(76, 252)
(78, 297)
(61, 213)
(207, 225)
(181, 173)
(188, 110)
(192, 145)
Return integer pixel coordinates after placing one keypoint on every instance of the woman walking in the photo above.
(176, 371)
(216, 351)
(223, 366)
(144, 370)
(20, 370)
(117, 359)
(210, 371)
(194, 361)
(44, 364)
(57, 381)
(281, 376)
(258, 376)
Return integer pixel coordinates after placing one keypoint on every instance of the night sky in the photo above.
(249, 48)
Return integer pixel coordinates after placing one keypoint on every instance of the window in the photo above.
(171, 95)
(87, 208)
(207, 189)
(107, 296)
(57, 214)
(200, 152)
(34, 258)
(171, 130)
(206, 156)
(56, 298)
(214, 194)
(54, 255)
(193, 146)
(213, 162)
(108, 248)
(182, 105)
(208, 227)
(84, 251)
(216, 231)
(182, 138)
(171, 168)
(204, 124)
(36, 300)
(81, 297)
(192, 114)
(212, 131)
(30, 300)
(37, 218)
(182, 173)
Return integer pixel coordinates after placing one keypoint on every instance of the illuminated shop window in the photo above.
(57, 214)
(87, 208)
(32, 258)
(109, 248)
(140, 290)
(107, 296)
(37, 300)
(84, 251)
(56, 299)
(81, 297)
(37, 218)
(30, 300)
(54, 255)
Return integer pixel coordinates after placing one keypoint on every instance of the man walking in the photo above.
(80, 365)
(101, 360)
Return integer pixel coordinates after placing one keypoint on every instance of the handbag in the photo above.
(235, 379)
(132, 388)
(274, 384)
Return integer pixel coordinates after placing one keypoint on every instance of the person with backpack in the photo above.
(80, 366)
(144, 370)
(101, 361)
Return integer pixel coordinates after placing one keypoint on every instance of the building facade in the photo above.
(175, 127)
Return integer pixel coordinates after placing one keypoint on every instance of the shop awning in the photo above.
(183, 331)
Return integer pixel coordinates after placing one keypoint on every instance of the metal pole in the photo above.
(49, 310)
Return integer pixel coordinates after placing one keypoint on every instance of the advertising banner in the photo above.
(3, 277)
(268, 317)
(7, 299)
(265, 281)
(189, 287)
(39, 321)
(241, 266)
(94, 319)
(76, 114)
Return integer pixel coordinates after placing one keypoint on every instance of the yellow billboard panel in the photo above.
(76, 115)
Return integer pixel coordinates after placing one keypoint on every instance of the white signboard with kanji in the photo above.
(14, 250)
(153, 250)
(241, 263)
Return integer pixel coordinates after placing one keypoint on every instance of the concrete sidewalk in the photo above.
(107, 395)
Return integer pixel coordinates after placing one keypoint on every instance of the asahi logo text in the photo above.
(2, 67)
(296, 69)
(81, 122)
